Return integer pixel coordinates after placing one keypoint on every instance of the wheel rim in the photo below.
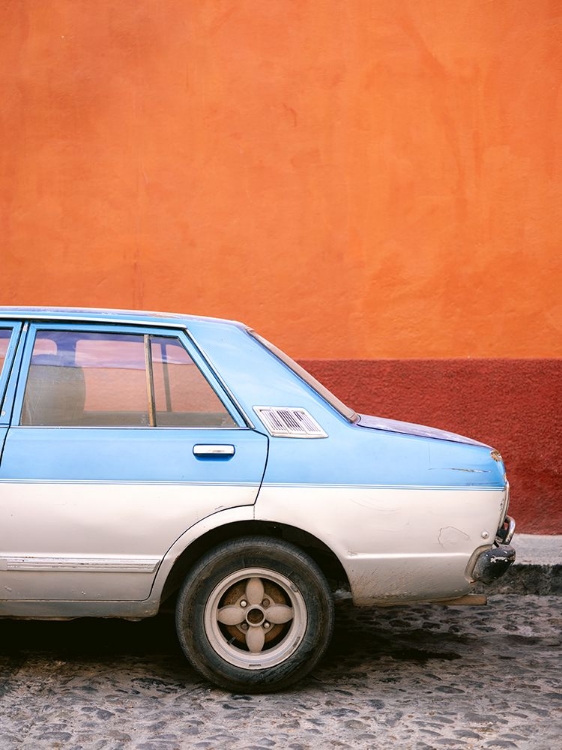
(255, 618)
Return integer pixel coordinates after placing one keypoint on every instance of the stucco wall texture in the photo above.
(358, 180)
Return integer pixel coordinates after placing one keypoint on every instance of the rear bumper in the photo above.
(505, 532)
(493, 563)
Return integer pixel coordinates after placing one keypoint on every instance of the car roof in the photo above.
(87, 314)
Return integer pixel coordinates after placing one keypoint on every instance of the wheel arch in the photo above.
(325, 558)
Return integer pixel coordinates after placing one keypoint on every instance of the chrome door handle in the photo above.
(213, 450)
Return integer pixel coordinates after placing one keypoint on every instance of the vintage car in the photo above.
(150, 458)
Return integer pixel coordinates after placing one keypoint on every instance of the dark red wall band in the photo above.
(513, 405)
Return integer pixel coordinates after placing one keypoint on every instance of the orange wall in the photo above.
(356, 179)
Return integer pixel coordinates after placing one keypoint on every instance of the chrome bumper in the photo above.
(504, 534)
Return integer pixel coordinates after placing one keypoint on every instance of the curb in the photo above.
(537, 568)
(542, 580)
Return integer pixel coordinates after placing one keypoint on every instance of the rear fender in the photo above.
(215, 521)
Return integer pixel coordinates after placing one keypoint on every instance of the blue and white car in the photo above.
(148, 458)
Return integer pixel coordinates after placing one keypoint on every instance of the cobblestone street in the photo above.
(410, 677)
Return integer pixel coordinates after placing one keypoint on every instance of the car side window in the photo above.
(180, 389)
(117, 380)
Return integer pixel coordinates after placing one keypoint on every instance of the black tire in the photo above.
(254, 615)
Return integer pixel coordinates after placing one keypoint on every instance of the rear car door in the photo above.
(121, 439)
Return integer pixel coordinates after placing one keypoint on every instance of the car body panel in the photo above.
(129, 608)
(255, 376)
(112, 502)
(395, 544)
(94, 519)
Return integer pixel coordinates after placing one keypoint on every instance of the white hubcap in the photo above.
(255, 618)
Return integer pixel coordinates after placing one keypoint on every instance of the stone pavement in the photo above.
(420, 677)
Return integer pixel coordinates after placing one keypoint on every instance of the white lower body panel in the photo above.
(97, 541)
(395, 544)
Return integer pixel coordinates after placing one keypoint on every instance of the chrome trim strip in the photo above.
(82, 317)
(122, 482)
(120, 427)
(403, 555)
(34, 564)
(105, 315)
(265, 485)
(459, 488)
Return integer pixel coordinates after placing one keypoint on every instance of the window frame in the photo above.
(142, 331)
(15, 327)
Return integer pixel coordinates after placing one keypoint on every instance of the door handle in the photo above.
(213, 450)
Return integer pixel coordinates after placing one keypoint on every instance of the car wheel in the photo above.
(254, 615)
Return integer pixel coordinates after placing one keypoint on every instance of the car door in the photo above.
(121, 439)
